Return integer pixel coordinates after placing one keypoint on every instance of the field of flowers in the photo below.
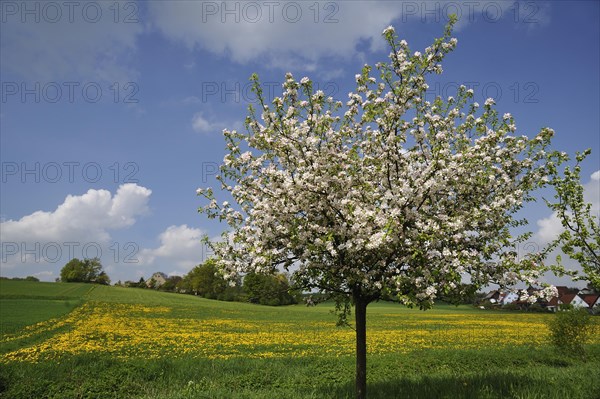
(126, 330)
(140, 343)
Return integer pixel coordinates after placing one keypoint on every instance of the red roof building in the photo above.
(591, 299)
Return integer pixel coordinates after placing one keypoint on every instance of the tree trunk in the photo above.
(360, 312)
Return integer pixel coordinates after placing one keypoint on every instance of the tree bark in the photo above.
(360, 312)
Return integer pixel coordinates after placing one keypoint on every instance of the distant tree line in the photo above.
(205, 280)
(28, 278)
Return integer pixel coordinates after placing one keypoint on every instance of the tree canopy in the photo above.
(84, 271)
(385, 196)
(268, 289)
(204, 280)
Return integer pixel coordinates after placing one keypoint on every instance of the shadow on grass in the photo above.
(488, 386)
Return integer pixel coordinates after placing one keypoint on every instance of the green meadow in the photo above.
(84, 341)
(27, 302)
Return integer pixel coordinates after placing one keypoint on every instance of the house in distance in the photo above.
(156, 280)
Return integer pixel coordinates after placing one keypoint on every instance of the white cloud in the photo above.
(81, 220)
(273, 38)
(591, 191)
(91, 41)
(549, 228)
(180, 249)
(80, 42)
(46, 275)
(300, 34)
(202, 125)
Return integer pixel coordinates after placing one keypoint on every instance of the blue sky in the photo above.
(112, 112)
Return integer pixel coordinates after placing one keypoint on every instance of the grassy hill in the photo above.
(28, 302)
(10, 289)
(78, 340)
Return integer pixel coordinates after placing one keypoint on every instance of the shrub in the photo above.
(536, 307)
(512, 306)
(569, 331)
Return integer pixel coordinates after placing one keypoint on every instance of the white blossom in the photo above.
(385, 192)
(430, 291)
(388, 30)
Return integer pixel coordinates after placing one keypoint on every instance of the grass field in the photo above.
(82, 341)
(26, 302)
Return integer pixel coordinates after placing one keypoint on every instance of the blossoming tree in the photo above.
(395, 198)
(580, 238)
